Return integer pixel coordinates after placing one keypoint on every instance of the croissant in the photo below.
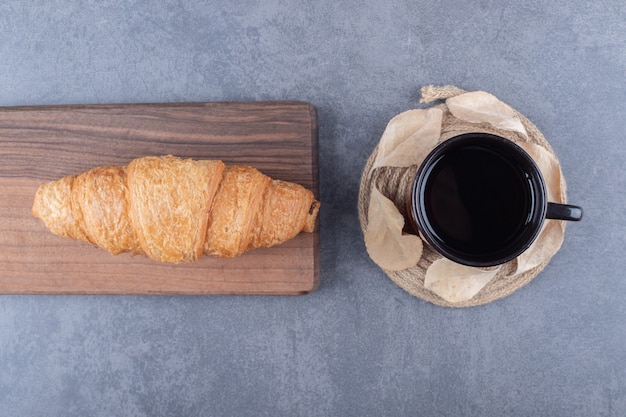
(176, 210)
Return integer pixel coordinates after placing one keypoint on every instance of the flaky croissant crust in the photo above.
(176, 210)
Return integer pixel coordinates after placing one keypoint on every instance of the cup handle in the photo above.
(564, 212)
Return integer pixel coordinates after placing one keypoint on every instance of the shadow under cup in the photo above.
(480, 200)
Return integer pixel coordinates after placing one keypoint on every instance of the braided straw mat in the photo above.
(393, 182)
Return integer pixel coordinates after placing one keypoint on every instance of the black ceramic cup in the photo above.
(480, 200)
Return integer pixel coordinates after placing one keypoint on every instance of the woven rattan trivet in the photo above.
(393, 182)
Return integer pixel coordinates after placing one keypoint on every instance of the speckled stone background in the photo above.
(359, 345)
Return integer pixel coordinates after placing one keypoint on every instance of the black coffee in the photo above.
(476, 201)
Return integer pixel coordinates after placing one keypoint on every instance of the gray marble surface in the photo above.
(359, 345)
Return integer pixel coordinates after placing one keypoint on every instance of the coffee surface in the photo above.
(476, 200)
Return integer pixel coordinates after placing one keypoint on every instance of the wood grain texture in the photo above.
(39, 144)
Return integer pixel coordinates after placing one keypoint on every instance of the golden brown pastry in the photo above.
(176, 210)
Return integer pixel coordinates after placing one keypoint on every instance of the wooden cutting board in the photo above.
(39, 144)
